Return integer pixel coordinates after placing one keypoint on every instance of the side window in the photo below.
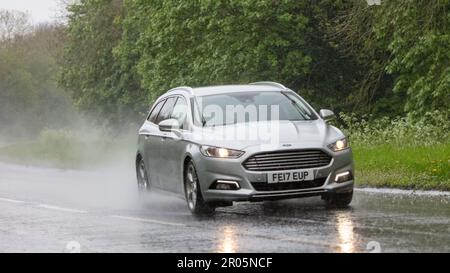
(155, 111)
(180, 112)
(166, 110)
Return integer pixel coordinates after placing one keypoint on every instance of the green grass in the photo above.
(68, 150)
(407, 167)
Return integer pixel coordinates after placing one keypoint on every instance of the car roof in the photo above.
(213, 90)
(221, 89)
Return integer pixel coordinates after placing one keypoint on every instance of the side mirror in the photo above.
(327, 114)
(169, 125)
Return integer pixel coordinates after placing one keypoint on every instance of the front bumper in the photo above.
(210, 170)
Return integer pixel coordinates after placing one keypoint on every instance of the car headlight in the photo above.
(220, 152)
(339, 145)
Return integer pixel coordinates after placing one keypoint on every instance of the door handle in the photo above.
(164, 137)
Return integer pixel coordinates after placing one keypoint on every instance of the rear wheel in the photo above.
(142, 177)
(338, 200)
(194, 198)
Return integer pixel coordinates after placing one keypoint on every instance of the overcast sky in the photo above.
(40, 10)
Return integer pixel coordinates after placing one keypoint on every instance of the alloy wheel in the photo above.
(191, 187)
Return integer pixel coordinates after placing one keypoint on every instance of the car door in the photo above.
(172, 150)
(151, 139)
(159, 163)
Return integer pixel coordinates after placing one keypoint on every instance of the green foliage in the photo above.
(404, 50)
(419, 43)
(122, 56)
(401, 152)
(390, 59)
(433, 128)
(207, 42)
(29, 96)
(89, 69)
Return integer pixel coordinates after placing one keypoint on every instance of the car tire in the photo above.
(193, 193)
(143, 182)
(338, 200)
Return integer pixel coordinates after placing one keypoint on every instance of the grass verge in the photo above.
(68, 150)
(407, 167)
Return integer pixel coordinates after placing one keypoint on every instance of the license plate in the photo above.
(290, 176)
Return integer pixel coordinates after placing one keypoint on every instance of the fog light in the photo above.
(343, 177)
(225, 185)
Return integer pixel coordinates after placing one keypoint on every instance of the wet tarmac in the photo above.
(50, 210)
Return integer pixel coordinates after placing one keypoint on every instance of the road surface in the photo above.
(51, 210)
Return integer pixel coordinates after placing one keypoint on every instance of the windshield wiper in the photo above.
(297, 107)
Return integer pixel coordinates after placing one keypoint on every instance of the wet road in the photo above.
(42, 210)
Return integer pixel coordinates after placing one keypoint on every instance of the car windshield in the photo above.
(240, 107)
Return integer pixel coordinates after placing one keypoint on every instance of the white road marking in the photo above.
(61, 209)
(12, 201)
(145, 220)
(403, 192)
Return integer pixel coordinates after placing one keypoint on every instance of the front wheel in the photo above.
(339, 200)
(193, 194)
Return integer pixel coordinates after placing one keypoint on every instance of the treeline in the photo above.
(388, 60)
(30, 98)
(116, 56)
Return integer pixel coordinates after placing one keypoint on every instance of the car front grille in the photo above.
(287, 160)
(264, 186)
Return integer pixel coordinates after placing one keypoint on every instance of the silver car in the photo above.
(222, 144)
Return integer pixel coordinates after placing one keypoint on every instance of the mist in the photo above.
(78, 155)
(40, 122)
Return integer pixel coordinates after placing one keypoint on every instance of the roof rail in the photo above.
(182, 88)
(279, 85)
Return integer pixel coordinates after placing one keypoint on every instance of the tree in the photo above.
(389, 59)
(29, 97)
(404, 48)
(13, 24)
(200, 43)
(89, 68)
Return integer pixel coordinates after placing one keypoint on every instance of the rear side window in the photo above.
(166, 110)
(155, 111)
